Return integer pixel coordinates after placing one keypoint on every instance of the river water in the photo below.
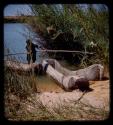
(15, 36)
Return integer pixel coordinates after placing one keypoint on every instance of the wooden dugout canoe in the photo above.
(91, 73)
(67, 82)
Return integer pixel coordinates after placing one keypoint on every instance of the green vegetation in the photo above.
(87, 27)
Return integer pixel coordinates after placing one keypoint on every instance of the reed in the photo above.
(90, 26)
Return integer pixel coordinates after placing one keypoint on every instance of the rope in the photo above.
(46, 50)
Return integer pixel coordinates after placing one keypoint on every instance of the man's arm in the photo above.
(38, 47)
(35, 45)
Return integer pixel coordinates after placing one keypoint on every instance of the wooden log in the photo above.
(24, 68)
(91, 73)
(75, 82)
(66, 82)
(55, 64)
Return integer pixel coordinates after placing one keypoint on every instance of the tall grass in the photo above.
(88, 26)
(18, 84)
(17, 87)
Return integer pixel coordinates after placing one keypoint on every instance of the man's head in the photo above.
(28, 41)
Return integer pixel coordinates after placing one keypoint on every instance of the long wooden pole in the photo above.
(47, 50)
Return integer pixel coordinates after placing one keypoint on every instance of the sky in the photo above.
(14, 10)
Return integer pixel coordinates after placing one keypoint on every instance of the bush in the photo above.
(89, 26)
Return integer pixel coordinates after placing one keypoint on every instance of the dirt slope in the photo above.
(98, 97)
(76, 105)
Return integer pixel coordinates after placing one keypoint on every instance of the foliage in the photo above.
(89, 26)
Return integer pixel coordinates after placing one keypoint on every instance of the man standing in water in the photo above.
(31, 52)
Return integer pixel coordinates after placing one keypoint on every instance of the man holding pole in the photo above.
(31, 51)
